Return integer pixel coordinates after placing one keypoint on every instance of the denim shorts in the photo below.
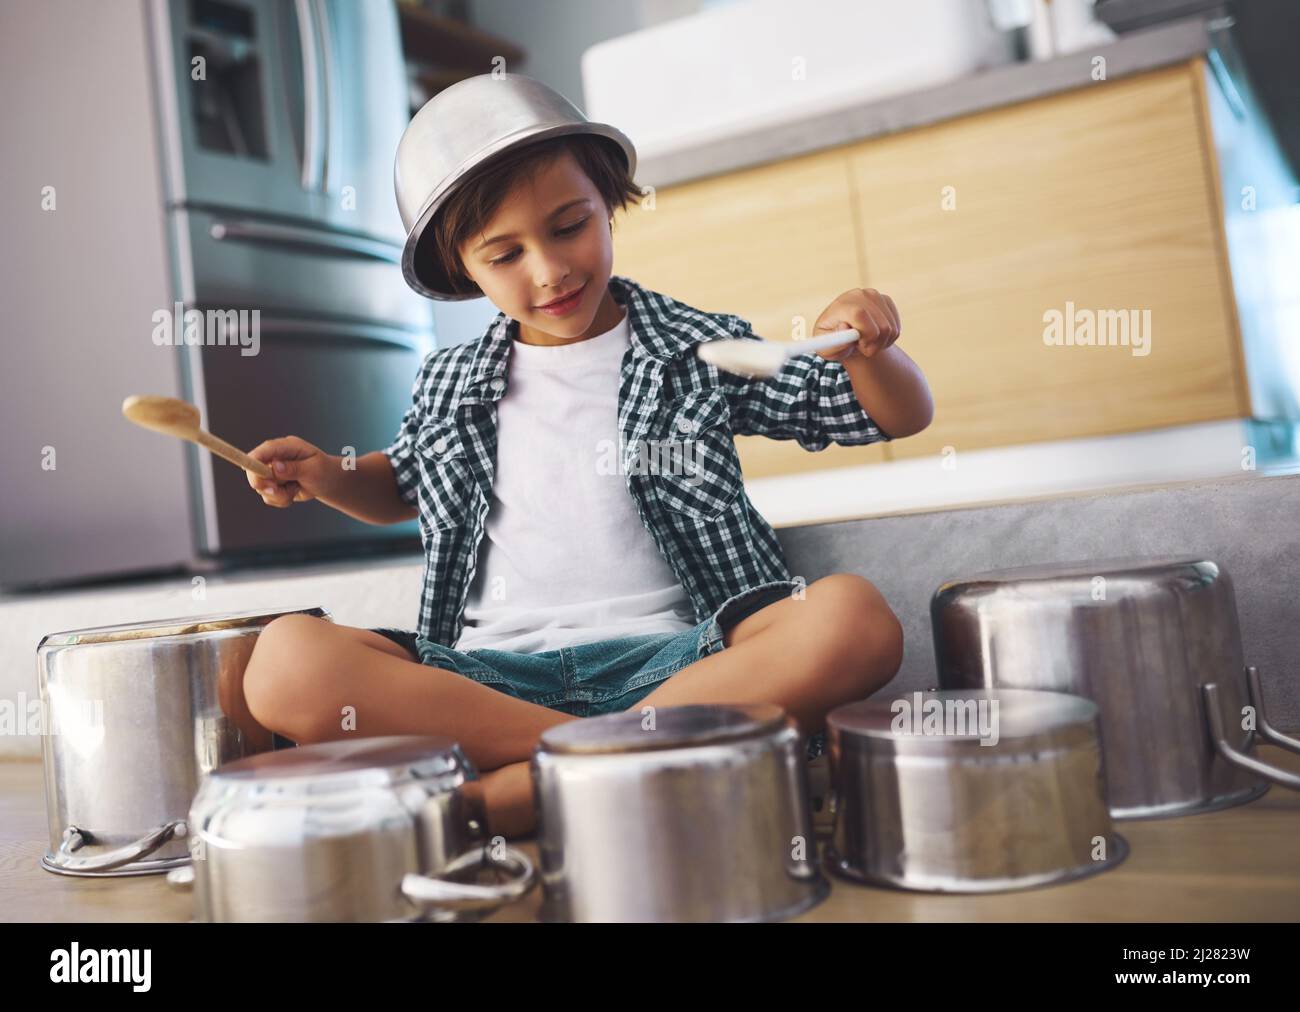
(607, 676)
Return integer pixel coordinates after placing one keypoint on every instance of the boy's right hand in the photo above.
(302, 471)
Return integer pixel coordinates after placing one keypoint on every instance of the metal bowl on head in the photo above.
(970, 791)
(682, 813)
(458, 130)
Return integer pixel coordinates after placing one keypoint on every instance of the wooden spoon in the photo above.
(178, 418)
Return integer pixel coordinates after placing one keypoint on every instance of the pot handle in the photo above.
(1214, 715)
(74, 838)
(1261, 723)
(432, 892)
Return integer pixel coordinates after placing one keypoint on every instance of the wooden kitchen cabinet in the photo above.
(1104, 198)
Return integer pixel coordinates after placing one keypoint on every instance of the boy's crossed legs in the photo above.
(838, 643)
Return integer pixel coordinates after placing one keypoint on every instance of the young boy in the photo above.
(589, 544)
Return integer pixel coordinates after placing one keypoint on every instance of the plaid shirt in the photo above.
(676, 416)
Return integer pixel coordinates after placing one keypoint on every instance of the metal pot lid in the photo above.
(939, 719)
(181, 626)
(389, 760)
(674, 727)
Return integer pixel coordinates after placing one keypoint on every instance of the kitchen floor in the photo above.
(1239, 864)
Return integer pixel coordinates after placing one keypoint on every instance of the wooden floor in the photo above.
(1240, 864)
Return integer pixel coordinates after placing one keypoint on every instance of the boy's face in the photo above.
(547, 254)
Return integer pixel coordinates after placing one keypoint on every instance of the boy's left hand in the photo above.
(871, 313)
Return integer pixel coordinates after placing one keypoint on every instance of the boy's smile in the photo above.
(564, 304)
(545, 257)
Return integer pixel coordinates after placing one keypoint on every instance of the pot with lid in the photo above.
(138, 713)
(1154, 641)
(682, 813)
(366, 829)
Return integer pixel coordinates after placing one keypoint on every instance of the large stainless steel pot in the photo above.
(969, 791)
(138, 714)
(686, 813)
(1154, 641)
(371, 829)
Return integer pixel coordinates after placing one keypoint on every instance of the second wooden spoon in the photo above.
(181, 419)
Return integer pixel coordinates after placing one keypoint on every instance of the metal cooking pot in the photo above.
(371, 829)
(139, 713)
(685, 813)
(969, 791)
(1154, 642)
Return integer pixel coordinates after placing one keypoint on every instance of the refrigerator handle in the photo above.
(312, 239)
(313, 153)
(329, 154)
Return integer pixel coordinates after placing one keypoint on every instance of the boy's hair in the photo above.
(472, 205)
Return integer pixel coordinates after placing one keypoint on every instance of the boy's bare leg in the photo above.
(839, 643)
(508, 800)
(300, 657)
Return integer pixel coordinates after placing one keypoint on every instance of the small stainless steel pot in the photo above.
(1155, 642)
(371, 829)
(686, 813)
(969, 792)
(138, 713)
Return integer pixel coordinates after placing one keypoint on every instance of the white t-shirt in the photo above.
(565, 558)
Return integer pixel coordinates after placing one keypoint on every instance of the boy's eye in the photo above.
(567, 230)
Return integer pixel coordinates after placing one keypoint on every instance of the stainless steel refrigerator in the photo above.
(267, 161)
